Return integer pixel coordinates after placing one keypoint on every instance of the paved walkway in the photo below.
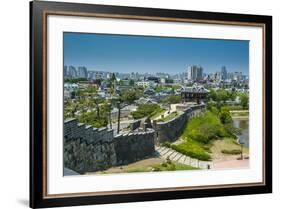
(175, 156)
(173, 108)
(232, 164)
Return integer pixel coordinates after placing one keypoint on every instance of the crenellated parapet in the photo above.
(74, 130)
(172, 129)
(88, 149)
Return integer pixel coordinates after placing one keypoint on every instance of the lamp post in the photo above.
(118, 122)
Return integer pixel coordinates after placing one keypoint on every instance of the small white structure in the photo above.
(71, 86)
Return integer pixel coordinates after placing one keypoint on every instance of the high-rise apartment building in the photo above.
(72, 72)
(82, 72)
(194, 73)
(223, 73)
(65, 72)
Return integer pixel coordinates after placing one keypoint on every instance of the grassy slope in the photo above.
(201, 134)
(158, 113)
(228, 144)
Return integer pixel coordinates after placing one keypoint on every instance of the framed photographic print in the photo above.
(140, 104)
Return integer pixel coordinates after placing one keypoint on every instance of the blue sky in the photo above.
(122, 53)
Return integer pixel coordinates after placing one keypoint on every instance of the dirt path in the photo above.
(232, 164)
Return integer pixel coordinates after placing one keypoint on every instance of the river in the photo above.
(243, 124)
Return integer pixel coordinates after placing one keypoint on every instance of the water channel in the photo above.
(243, 124)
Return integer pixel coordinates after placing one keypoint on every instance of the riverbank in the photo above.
(221, 160)
(239, 114)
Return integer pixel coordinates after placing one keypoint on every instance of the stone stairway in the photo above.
(165, 152)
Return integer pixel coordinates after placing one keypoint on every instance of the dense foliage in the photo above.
(97, 117)
(129, 96)
(193, 149)
(244, 101)
(172, 99)
(204, 128)
(231, 152)
(201, 130)
(146, 110)
(74, 80)
(221, 96)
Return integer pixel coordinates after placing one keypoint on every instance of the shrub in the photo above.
(193, 149)
(204, 128)
(91, 118)
(166, 144)
(244, 100)
(225, 116)
(172, 166)
(146, 110)
(231, 152)
(172, 99)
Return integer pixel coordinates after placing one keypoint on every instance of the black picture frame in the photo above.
(38, 11)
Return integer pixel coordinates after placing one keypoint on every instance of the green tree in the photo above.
(204, 128)
(146, 110)
(74, 80)
(222, 95)
(244, 100)
(131, 82)
(128, 96)
(172, 99)
(225, 116)
(212, 95)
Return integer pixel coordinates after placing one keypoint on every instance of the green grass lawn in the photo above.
(147, 110)
(193, 149)
(169, 117)
(204, 132)
(171, 166)
(162, 167)
(158, 113)
(154, 167)
(228, 146)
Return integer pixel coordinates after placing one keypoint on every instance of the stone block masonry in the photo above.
(134, 146)
(172, 129)
(88, 149)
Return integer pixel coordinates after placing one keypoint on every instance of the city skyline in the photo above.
(156, 54)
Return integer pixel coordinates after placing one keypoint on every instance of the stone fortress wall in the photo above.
(88, 149)
(172, 129)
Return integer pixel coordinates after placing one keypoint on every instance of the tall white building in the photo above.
(72, 72)
(82, 72)
(194, 72)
